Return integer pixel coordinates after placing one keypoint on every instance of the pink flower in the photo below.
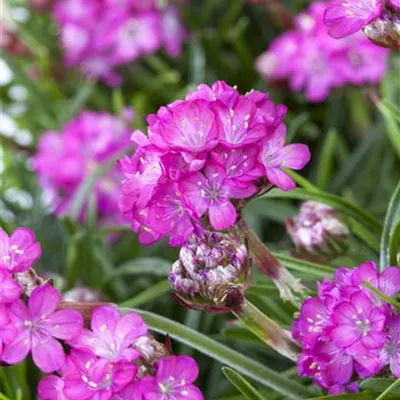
(131, 392)
(358, 323)
(10, 290)
(276, 155)
(173, 381)
(111, 336)
(38, 324)
(390, 353)
(349, 16)
(51, 387)
(211, 192)
(19, 251)
(7, 329)
(89, 377)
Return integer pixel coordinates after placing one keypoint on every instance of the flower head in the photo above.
(19, 251)
(347, 329)
(173, 380)
(212, 272)
(317, 232)
(39, 324)
(202, 157)
(64, 160)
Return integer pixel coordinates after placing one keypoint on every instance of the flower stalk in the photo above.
(267, 330)
(290, 288)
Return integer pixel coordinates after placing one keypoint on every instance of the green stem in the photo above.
(290, 288)
(388, 390)
(267, 330)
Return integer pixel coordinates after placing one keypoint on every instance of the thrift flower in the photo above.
(19, 251)
(39, 325)
(173, 381)
(317, 232)
(200, 157)
(390, 353)
(51, 387)
(323, 63)
(111, 336)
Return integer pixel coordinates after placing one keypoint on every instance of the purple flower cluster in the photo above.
(115, 359)
(347, 329)
(64, 159)
(347, 17)
(321, 62)
(200, 156)
(100, 35)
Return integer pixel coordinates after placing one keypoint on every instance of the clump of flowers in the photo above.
(317, 232)
(348, 331)
(115, 359)
(64, 159)
(378, 19)
(322, 63)
(202, 158)
(98, 36)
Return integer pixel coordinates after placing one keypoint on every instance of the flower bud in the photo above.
(385, 30)
(317, 232)
(212, 273)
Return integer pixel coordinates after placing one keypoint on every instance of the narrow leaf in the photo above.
(148, 295)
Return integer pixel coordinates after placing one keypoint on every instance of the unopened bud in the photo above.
(317, 232)
(212, 273)
(385, 30)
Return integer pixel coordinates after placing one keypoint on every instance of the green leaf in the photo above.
(345, 206)
(301, 181)
(392, 127)
(317, 270)
(379, 385)
(149, 265)
(326, 160)
(395, 111)
(79, 100)
(225, 355)
(3, 397)
(390, 389)
(148, 295)
(241, 384)
(391, 220)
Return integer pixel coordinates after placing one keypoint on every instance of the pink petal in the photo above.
(182, 368)
(43, 301)
(191, 188)
(18, 313)
(365, 272)
(50, 388)
(47, 353)
(374, 340)
(343, 314)
(361, 302)
(345, 335)
(189, 392)
(389, 281)
(294, 156)
(104, 319)
(65, 324)
(76, 389)
(131, 326)
(222, 215)
(18, 349)
(280, 179)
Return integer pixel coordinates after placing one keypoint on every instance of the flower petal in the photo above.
(18, 349)
(280, 179)
(47, 353)
(43, 301)
(65, 324)
(345, 335)
(182, 368)
(222, 215)
(389, 281)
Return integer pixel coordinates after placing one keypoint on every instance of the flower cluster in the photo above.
(64, 159)
(317, 232)
(347, 17)
(115, 359)
(348, 329)
(201, 156)
(322, 63)
(99, 36)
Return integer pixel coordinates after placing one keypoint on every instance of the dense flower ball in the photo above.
(347, 330)
(99, 36)
(201, 156)
(64, 159)
(317, 232)
(322, 63)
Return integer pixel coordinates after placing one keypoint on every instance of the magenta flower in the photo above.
(65, 159)
(7, 329)
(211, 192)
(173, 381)
(390, 353)
(39, 325)
(51, 387)
(10, 290)
(202, 154)
(276, 155)
(89, 377)
(358, 323)
(346, 17)
(19, 251)
(131, 392)
(111, 336)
